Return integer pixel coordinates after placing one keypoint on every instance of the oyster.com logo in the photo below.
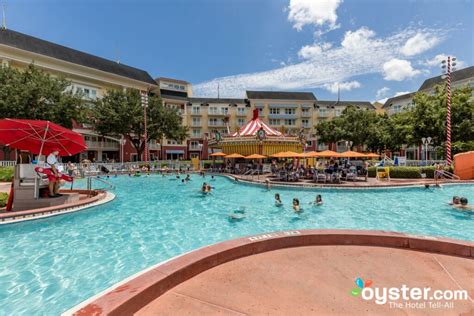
(361, 284)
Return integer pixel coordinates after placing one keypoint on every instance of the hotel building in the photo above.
(291, 112)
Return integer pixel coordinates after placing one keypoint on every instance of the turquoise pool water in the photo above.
(52, 264)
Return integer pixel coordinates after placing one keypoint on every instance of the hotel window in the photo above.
(305, 123)
(290, 111)
(240, 122)
(196, 133)
(212, 110)
(196, 110)
(323, 112)
(260, 111)
(290, 122)
(241, 111)
(212, 121)
(274, 122)
(305, 111)
(196, 121)
(224, 111)
(274, 111)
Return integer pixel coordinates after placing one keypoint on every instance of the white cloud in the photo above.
(436, 61)
(313, 12)
(398, 70)
(360, 52)
(343, 86)
(382, 92)
(420, 43)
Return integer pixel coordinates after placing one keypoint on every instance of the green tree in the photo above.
(121, 113)
(33, 94)
(329, 131)
(358, 125)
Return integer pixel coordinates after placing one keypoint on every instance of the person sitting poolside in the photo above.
(463, 205)
(278, 201)
(319, 200)
(296, 205)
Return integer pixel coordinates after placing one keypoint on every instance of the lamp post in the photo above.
(122, 143)
(426, 142)
(448, 66)
(144, 99)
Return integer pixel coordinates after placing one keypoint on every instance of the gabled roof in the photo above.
(365, 104)
(45, 48)
(281, 95)
(390, 101)
(457, 75)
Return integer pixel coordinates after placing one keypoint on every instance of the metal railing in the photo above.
(7, 163)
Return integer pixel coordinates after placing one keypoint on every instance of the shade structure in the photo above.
(219, 154)
(352, 154)
(287, 154)
(256, 156)
(234, 156)
(328, 154)
(40, 137)
(371, 155)
(253, 126)
(311, 154)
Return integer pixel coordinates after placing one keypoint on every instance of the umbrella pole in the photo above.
(35, 194)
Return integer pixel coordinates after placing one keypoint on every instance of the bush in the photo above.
(6, 174)
(208, 165)
(409, 172)
(3, 199)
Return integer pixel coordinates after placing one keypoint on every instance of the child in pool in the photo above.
(463, 205)
(319, 200)
(278, 201)
(296, 205)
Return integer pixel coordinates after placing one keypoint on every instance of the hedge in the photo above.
(3, 199)
(6, 174)
(409, 172)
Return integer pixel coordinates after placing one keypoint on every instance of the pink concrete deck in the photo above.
(315, 280)
(292, 272)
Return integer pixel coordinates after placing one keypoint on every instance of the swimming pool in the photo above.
(52, 264)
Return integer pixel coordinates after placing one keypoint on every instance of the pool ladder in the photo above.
(110, 186)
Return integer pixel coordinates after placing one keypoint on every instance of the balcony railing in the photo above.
(102, 145)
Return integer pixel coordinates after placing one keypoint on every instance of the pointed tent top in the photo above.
(252, 127)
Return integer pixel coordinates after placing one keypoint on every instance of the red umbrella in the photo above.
(40, 137)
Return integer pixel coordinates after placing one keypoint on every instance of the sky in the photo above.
(368, 49)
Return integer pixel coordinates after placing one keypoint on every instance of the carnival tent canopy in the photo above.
(256, 156)
(252, 127)
(234, 156)
(219, 154)
(352, 154)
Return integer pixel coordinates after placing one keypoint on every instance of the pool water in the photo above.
(49, 265)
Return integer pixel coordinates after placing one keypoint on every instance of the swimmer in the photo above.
(427, 186)
(319, 200)
(183, 182)
(296, 205)
(206, 188)
(463, 205)
(456, 200)
(212, 178)
(236, 217)
(178, 177)
(278, 201)
(188, 177)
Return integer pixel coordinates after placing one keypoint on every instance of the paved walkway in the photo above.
(317, 280)
(5, 187)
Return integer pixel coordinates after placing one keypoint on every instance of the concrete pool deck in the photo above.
(295, 272)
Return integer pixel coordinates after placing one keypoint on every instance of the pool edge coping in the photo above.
(161, 277)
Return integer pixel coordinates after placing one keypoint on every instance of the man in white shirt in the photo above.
(54, 183)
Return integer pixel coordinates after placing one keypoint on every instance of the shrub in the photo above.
(409, 172)
(3, 199)
(6, 174)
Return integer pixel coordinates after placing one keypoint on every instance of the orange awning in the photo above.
(328, 154)
(221, 154)
(234, 156)
(352, 154)
(371, 155)
(256, 156)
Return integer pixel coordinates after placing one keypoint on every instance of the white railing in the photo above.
(102, 145)
(7, 163)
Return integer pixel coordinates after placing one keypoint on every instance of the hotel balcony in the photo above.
(96, 145)
(216, 124)
(217, 113)
(241, 113)
(303, 114)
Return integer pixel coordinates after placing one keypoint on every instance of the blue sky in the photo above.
(371, 49)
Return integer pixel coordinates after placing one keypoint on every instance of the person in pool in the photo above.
(212, 178)
(456, 200)
(296, 205)
(206, 188)
(278, 201)
(188, 177)
(319, 200)
(463, 205)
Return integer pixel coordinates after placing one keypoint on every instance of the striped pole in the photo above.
(144, 98)
(448, 116)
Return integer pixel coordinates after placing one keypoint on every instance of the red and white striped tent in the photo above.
(252, 127)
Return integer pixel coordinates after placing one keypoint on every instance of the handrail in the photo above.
(89, 183)
(448, 175)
